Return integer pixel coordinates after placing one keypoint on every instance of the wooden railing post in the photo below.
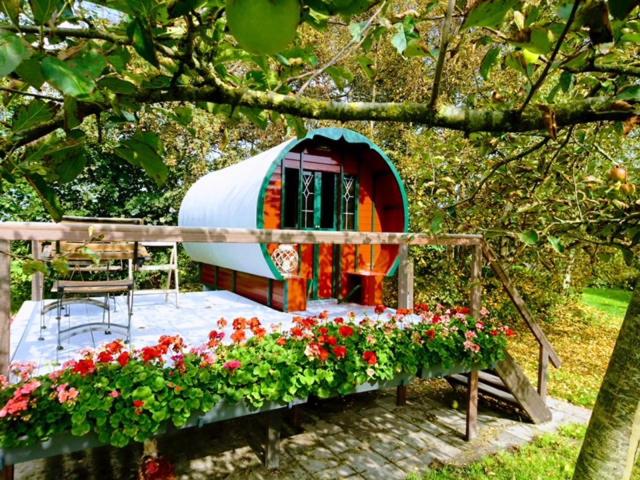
(475, 298)
(543, 365)
(37, 280)
(476, 282)
(405, 278)
(5, 306)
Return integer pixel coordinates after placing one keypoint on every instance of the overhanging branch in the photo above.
(451, 117)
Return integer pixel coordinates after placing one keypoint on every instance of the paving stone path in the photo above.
(362, 437)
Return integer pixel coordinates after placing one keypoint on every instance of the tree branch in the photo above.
(31, 94)
(554, 54)
(444, 43)
(445, 116)
(68, 32)
(500, 164)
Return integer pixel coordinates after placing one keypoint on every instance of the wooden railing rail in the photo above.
(547, 352)
(151, 233)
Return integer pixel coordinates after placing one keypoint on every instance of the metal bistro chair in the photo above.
(92, 258)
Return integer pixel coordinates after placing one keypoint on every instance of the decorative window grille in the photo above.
(308, 199)
(349, 202)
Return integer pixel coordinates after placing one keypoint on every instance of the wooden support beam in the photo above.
(405, 279)
(5, 306)
(271, 458)
(401, 395)
(543, 366)
(83, 232)
(37, 279)
(472, 407)
(475, 299)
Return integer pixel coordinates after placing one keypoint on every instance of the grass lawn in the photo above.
(610, 301)
(549, 457)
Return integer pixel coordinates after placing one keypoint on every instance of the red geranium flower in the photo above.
(297, 332)
(323, 330)
(222, 323)
(138, 403)
(431, 333)
(370, 357)
(380, 309)
(331, 340)
(340, 351)
(114, 347)
(124, 358)
(240, 323)
(281, 341)
(338, 320)
(463, 310)
(152, 353)
(323, 354)
(85, 367)
(239, 336)
(105, 357)
(346, 331)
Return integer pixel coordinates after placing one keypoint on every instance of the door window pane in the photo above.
(308, 199)
(327, 209)
(291, 191)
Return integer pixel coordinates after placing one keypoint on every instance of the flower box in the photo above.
(67, 443)
(403, 379)
(436, 371)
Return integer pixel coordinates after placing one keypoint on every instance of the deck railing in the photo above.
(36, 232)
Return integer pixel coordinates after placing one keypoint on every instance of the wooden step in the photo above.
(519, 386)
(485, 388)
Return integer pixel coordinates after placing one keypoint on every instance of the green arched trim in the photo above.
(335, 134)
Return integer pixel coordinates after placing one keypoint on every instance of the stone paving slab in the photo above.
(360, 437)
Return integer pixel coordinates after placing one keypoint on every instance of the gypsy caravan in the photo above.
(332, 179)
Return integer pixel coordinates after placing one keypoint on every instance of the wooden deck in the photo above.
(152, 317)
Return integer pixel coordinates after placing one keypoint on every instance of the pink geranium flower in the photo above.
(233, 365)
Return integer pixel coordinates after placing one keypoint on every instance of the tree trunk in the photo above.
(611, 444)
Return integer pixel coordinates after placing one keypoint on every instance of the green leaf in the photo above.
(436, 223)
(140, 34)
(11, 8)
(556, 244)
(30, 71)
(30, 115)
(621, 8)
(117, 85)
(65, 79)
(566, 80)
(630, 93)
(365, 63)
(529, 237)
(12, 52)
(44, 9)
(488, 62)
(399, 40)
(47, 195)
(488, 13)
(340, 76)
(71, 118)
(142, 150)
